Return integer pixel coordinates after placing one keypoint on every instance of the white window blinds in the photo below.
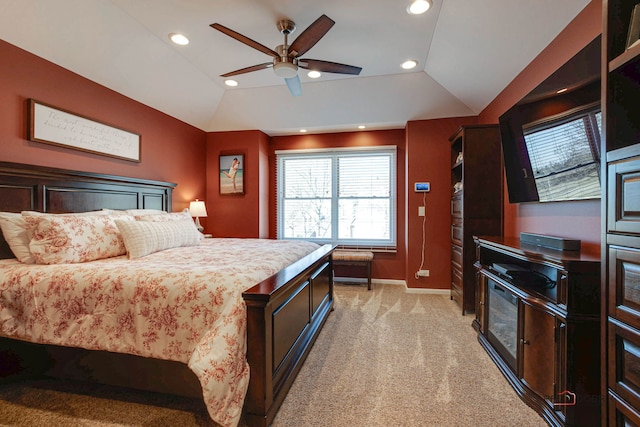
(344, 197)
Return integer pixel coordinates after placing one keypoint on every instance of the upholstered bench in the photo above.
(357, 258)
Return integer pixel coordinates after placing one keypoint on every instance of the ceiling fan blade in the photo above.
(310, 36)
(293, 83)
(328, 67)
(246, 40)
(248, 69)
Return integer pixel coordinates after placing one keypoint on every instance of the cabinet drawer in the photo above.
(621, 413)
(456, 256)
(456, 205)
(456, 285)
(624, 202)
(624, 284)
(624, 362)
(456, 233)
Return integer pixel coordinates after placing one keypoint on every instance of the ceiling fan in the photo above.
(286, 58)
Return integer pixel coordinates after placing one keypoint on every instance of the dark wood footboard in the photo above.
(285, 314)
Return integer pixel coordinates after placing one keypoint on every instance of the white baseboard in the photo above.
(393, 282)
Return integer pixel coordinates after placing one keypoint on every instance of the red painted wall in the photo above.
(385, 265)
(171, 150)
(238, 215)
(428, 158)
(578, 220)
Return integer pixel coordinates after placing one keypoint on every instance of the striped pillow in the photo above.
(146, 237)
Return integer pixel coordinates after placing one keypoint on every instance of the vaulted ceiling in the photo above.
(467, 52)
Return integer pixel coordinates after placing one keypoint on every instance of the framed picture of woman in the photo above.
(232, 174)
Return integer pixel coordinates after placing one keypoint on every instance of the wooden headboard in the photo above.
(43, 189)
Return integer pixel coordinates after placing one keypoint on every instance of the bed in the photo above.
(282, 308)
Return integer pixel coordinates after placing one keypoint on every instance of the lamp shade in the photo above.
(198, 209)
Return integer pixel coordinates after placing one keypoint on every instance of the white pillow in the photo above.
(63, 239)
(146, 237)
(142, 212)
(173, 216)
(15, 231)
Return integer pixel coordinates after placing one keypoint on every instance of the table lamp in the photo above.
(198, 210)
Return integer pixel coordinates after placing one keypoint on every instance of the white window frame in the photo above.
(334, 153)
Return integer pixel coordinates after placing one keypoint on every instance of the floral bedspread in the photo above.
(182, 304)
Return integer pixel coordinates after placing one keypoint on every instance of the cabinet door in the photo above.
(456, 285)
(624, 284)
(624, 361)
(538, 351)
(481, 287)
(624, 199)
(621, 414)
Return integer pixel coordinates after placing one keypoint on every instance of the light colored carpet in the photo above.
(384, 358)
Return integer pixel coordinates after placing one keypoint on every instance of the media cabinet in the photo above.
(538, 318)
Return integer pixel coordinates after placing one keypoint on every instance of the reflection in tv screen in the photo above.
(564, 155)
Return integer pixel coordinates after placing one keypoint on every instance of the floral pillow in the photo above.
(62, 239)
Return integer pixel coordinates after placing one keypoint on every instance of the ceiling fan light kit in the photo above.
(285, 69)
(286, 58)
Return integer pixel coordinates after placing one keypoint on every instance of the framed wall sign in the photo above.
(51, 125)
(231, 174)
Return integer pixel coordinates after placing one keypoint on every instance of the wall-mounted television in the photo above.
(551, 138)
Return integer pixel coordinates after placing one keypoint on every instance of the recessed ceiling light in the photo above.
(178, 38)
(418, 7)
(314, 74)
(231, 83)
(362, 127)
(407, 65)
(303, 131)
(564, 89)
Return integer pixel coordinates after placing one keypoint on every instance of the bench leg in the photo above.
(369, 275)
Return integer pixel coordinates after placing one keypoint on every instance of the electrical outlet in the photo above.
(423, 273)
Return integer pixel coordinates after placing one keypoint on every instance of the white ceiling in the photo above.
(468, 51)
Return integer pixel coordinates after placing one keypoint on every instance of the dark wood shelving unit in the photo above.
(476, 207)
(620, 278)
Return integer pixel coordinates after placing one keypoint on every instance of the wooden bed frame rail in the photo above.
(285, 312)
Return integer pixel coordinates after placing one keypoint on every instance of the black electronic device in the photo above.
(523, 276)
(551, 242)
(508, 269)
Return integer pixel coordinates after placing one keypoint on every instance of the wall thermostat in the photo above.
(422, 187)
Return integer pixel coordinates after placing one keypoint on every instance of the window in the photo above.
(341, 196)
(564, 155)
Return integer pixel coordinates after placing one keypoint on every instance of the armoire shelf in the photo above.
(476, 202)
